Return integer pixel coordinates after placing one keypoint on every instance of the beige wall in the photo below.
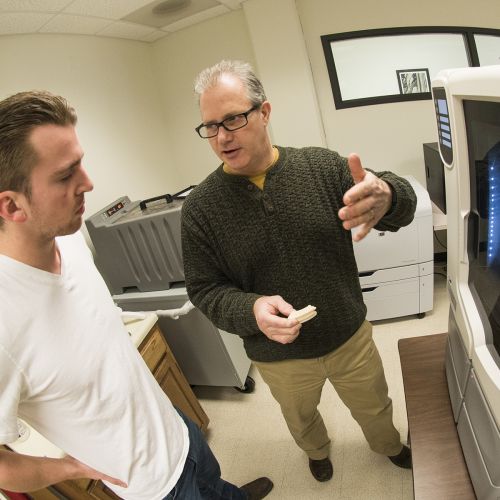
(283, 66)
(178, 59)
(111, 84)
(387, 136)
(137, 109)
(282, 39)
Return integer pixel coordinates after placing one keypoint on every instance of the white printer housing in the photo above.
(396, 269)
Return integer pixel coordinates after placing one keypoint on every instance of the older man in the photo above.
(269, 232)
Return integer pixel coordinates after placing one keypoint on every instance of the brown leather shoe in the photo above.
(322, 470)
(257, 489)
(403, 459)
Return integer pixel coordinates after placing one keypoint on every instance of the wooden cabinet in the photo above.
(161, 361)
(82, 489)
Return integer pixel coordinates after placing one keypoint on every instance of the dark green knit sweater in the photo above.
(240, 243)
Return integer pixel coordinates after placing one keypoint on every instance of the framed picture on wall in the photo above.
(413, 81)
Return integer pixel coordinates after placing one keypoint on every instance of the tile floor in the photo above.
(250, 439)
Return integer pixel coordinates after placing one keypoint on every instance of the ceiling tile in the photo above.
(132, 31)
(154, 35)
(105, 17)
(22, 22)
(33, 5)
(111, 9)
(197, 18)
(65, 23)
(232, 4)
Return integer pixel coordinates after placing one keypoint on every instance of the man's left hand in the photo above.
(366, 202)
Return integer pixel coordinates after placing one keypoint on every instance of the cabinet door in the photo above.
(173, 382)
(153, 348)
(75, 489)
(161, 361)
(45, 494)
(101, 491)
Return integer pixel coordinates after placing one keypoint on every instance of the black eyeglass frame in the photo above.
(221, 123)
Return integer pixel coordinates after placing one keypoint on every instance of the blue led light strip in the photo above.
(494, 206)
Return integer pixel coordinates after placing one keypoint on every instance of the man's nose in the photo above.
(224, 135)
(86, 184)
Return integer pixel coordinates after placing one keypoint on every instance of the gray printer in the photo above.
(138, 243)
(138, 252)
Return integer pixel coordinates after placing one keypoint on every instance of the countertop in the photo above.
(139, 328)
(32, 442)
(439, 468)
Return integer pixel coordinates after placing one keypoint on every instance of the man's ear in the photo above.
(266, 111)
(12, 207)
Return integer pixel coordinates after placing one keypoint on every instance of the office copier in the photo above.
(138, 252)
(396, 269)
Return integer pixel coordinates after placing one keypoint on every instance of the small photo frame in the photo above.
(413, 81)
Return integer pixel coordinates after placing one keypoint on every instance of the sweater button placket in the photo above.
(268, 205)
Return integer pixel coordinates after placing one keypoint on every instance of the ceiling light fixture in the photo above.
(169, 6)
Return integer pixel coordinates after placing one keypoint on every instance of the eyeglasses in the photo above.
(231, 123)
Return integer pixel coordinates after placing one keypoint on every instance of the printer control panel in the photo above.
(115, 208)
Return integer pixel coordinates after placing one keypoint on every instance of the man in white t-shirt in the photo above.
(67, 366)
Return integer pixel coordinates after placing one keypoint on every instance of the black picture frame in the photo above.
(414, 81)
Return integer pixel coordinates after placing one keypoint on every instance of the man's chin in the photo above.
(235, 167)
(71, 228)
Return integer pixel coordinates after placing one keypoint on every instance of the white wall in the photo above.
(387, 136)
(137, 109)
(111, 84)
(283, 66)
(281, 38)
(179, 58)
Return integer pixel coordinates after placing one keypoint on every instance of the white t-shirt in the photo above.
(69, 369)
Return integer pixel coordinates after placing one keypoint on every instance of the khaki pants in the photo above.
(355, 370)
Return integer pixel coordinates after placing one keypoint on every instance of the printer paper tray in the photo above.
(392, 299)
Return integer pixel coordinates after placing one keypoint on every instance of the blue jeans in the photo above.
(200, 479)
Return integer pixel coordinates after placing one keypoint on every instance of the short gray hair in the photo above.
(210, 77)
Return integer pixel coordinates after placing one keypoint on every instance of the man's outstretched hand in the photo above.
(366, 202)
